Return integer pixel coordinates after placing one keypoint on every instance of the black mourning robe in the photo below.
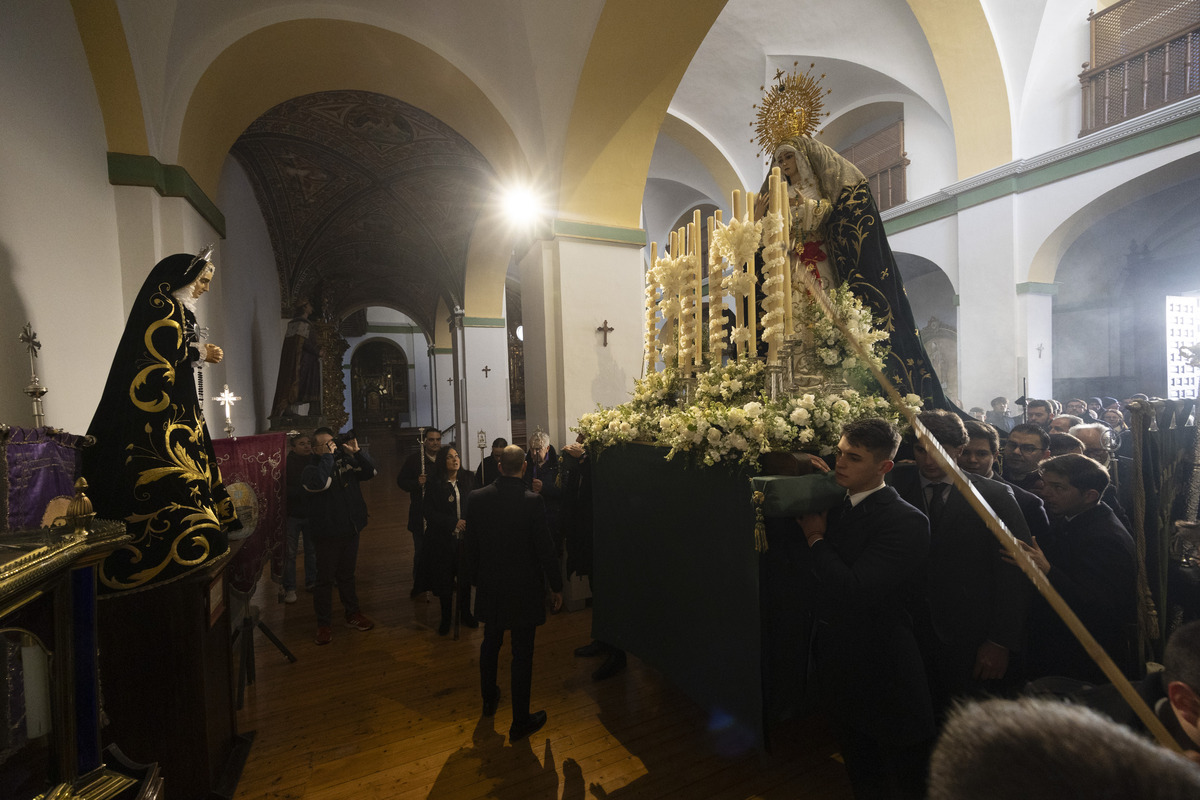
(153, 464)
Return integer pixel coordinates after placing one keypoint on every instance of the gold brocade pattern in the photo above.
(179, 504)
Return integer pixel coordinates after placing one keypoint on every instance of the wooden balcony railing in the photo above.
(1145, 56)
(881, 159)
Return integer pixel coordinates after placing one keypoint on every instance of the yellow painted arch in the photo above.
(969, 64)
(638, 54)
(299, 57)
(107, 51)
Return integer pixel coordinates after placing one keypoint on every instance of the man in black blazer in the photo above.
(1091, 560)
(510, 557)
(979, 458)
(975, 602)
(867, 556)
(411, 479)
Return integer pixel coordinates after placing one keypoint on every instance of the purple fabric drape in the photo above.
(36, 465)
(256, 463)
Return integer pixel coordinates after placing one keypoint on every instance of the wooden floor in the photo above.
(395, 712)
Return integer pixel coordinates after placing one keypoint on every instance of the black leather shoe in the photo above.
(490, 705)
(468, 621)
(591, 650)
(532, 724)
(611, 666)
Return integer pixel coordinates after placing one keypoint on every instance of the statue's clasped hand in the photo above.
(213, 354)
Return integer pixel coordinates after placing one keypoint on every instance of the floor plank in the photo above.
(394, 713)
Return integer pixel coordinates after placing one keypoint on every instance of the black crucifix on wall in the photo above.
(486, 369)
(606, 330)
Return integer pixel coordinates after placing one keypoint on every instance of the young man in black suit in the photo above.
(867, 557)
(1090, 559)
(975, 603)
(510, 557)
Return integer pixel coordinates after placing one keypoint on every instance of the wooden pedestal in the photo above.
(167, 682)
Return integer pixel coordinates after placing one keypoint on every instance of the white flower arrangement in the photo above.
(826, 351)
(733, 421)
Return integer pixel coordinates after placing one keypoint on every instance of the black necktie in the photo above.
(937, 503)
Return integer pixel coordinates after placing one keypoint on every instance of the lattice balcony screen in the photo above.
(881, 158)
(1144, 56)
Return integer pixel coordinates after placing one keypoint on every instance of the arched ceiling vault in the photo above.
(969, 64)
(365, 196)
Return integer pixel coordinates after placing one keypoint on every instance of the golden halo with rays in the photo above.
(792, 107)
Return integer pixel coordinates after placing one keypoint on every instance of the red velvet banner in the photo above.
(252, 468)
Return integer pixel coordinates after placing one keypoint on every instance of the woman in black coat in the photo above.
(445, 509)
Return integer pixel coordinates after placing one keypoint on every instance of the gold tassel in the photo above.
(760, 524)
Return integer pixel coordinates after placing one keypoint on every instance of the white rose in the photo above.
(912, 399)
(626, 427)
(736, 417)
(799, 416)
(735, 385)
(753, 409)
(714, 436)
(841, 407)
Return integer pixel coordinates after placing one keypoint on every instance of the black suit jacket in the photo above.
(868, 668)
(407, 480)
(972, 594)
(1093, 565)
(510, 555)
(1032, 508)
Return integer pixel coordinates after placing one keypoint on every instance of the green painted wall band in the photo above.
(1055, 169)
(574, 229)
(484, 322)
(1033, 287)
(384, 328)
(169, 180)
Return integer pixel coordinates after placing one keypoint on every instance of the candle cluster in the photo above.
(674, 292)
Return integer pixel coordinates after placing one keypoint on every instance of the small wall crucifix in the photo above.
(486, 369)
(1039, 349)
(606, 329)
(450, 381)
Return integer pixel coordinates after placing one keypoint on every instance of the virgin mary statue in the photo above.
(153, 464)
(837, 237)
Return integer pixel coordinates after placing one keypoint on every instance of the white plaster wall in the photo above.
(598, 282)
(1049, 106)
(987, 321)
(1035, 327)
(488, 406)
(443, 368)
(247, 285)
(936, 241)
(59, 258)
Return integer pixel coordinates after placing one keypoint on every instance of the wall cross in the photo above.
(606, 330)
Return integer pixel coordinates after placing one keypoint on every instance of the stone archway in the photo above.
(379, 388)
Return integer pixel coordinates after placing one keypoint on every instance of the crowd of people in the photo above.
(501, 530)
(918, 609)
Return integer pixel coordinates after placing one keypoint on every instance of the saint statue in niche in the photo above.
(298, 389)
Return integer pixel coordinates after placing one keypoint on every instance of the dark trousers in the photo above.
(522, 665)
(418, 540)
(336, 559)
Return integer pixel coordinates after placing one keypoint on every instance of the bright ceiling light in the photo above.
(521, 206)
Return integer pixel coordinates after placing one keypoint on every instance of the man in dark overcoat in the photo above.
(510, 558)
